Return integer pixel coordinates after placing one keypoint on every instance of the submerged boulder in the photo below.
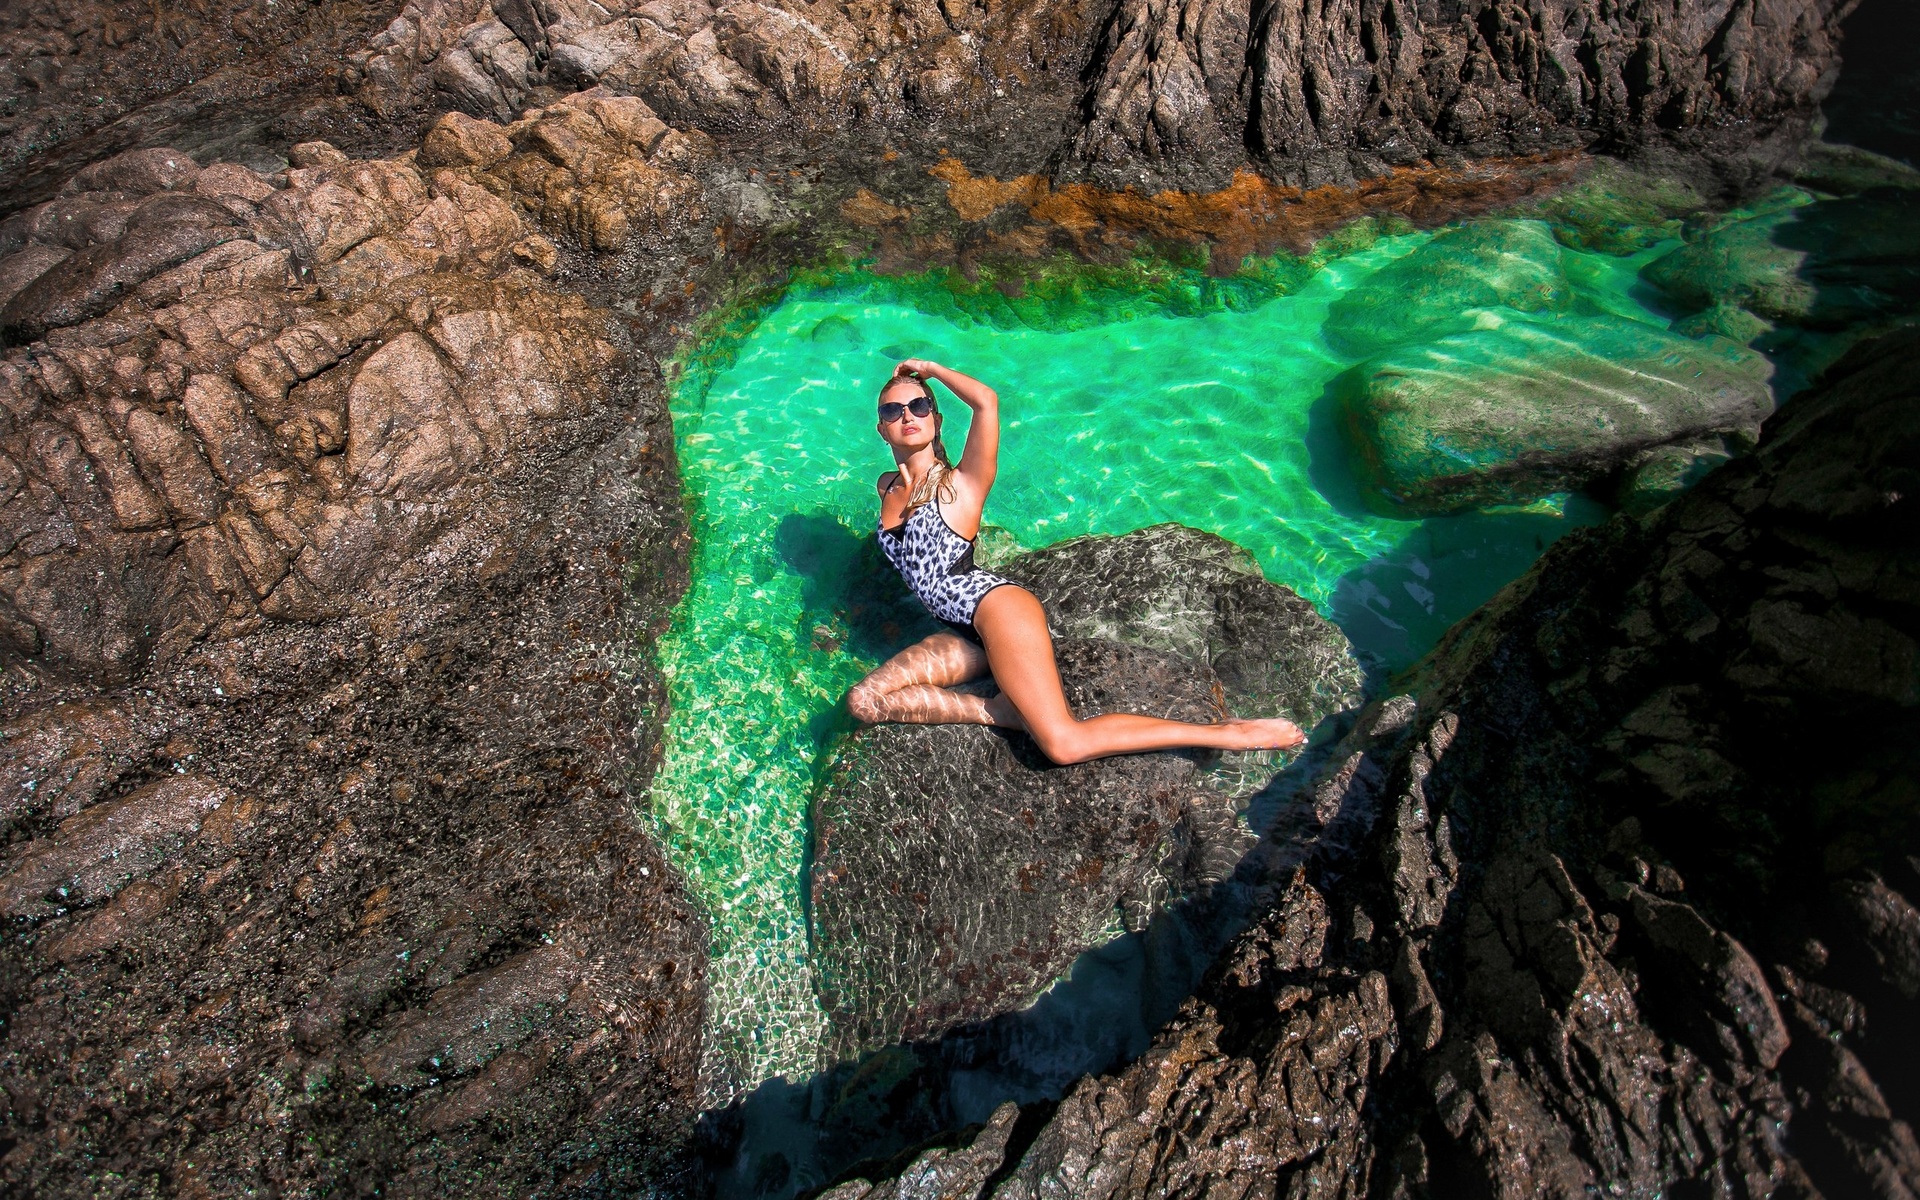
(956, 872)
(1522, 409)
(1822, 265)
(1435, 290)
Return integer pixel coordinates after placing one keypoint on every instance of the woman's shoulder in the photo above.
(885, 483)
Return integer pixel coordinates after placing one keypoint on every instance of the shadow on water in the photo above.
(1395, 607)
(869, 1117)
(850, 598)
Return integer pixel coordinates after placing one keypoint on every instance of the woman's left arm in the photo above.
(980, 460)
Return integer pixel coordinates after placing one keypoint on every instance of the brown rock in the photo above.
(458, 140)
(60, 759)
(170, 460)
(463, 1025)
(138, 172)
(232, 179)
(22, 268)
(407, 432)
(93, 855)
(238, 447)
(139, 903)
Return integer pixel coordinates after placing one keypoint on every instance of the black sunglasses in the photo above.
(893, 410)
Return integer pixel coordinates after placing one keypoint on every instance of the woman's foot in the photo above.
(1271, 733)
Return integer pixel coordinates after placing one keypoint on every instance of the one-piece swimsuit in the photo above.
(937, 564)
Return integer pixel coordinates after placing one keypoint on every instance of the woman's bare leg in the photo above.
(1020, 651)
(911, 687)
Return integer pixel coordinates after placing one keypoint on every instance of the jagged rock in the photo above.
(1321, 94)
(1521, 409)
(162, 232)
(956, 872)
(235, 562)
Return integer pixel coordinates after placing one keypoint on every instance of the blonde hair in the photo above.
(940, 479)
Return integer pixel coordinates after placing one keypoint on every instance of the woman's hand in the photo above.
(916, 368)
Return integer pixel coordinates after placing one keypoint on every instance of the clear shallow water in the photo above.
(1217, 420)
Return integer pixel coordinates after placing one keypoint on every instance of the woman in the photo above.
(929, 515)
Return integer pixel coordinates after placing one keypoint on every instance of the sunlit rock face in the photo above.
(1186, 91)
(957, 873)
(323, 698)
(1638, 908)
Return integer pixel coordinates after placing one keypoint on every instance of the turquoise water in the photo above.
(1218, 420)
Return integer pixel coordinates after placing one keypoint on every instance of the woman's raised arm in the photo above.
(980, 460)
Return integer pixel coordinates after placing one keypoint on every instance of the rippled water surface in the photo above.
(1215, 420)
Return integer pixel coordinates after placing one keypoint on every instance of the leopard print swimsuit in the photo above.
(937, 564)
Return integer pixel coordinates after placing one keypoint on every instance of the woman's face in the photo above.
(908, 432)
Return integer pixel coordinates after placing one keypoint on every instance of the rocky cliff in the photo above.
(1636, 911)
(337, 509)
(1127, 91)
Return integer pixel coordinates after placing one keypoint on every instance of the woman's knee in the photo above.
(865, 703)
(1062, 742)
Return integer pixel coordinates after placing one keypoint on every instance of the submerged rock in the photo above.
(1522, 409)
(1823, 265)
(957, 873)
(1201, 597)
(1436, 289)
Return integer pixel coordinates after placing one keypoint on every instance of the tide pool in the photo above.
(1219, 419)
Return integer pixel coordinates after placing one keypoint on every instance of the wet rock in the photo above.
(1823, 264)
(1666, 472)
(278, 521)
(956, 872)
(60, 761)
(1197, 595)
(464, 1025)
(1521, 409)
(94, 854)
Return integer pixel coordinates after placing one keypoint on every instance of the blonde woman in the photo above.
(930, 512)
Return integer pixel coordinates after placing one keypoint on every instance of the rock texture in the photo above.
(1180, 91)
(1637, 908)
(956, 873)
(334, 534)
(1324, 92)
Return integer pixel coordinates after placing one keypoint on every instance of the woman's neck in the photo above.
(915, 467)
